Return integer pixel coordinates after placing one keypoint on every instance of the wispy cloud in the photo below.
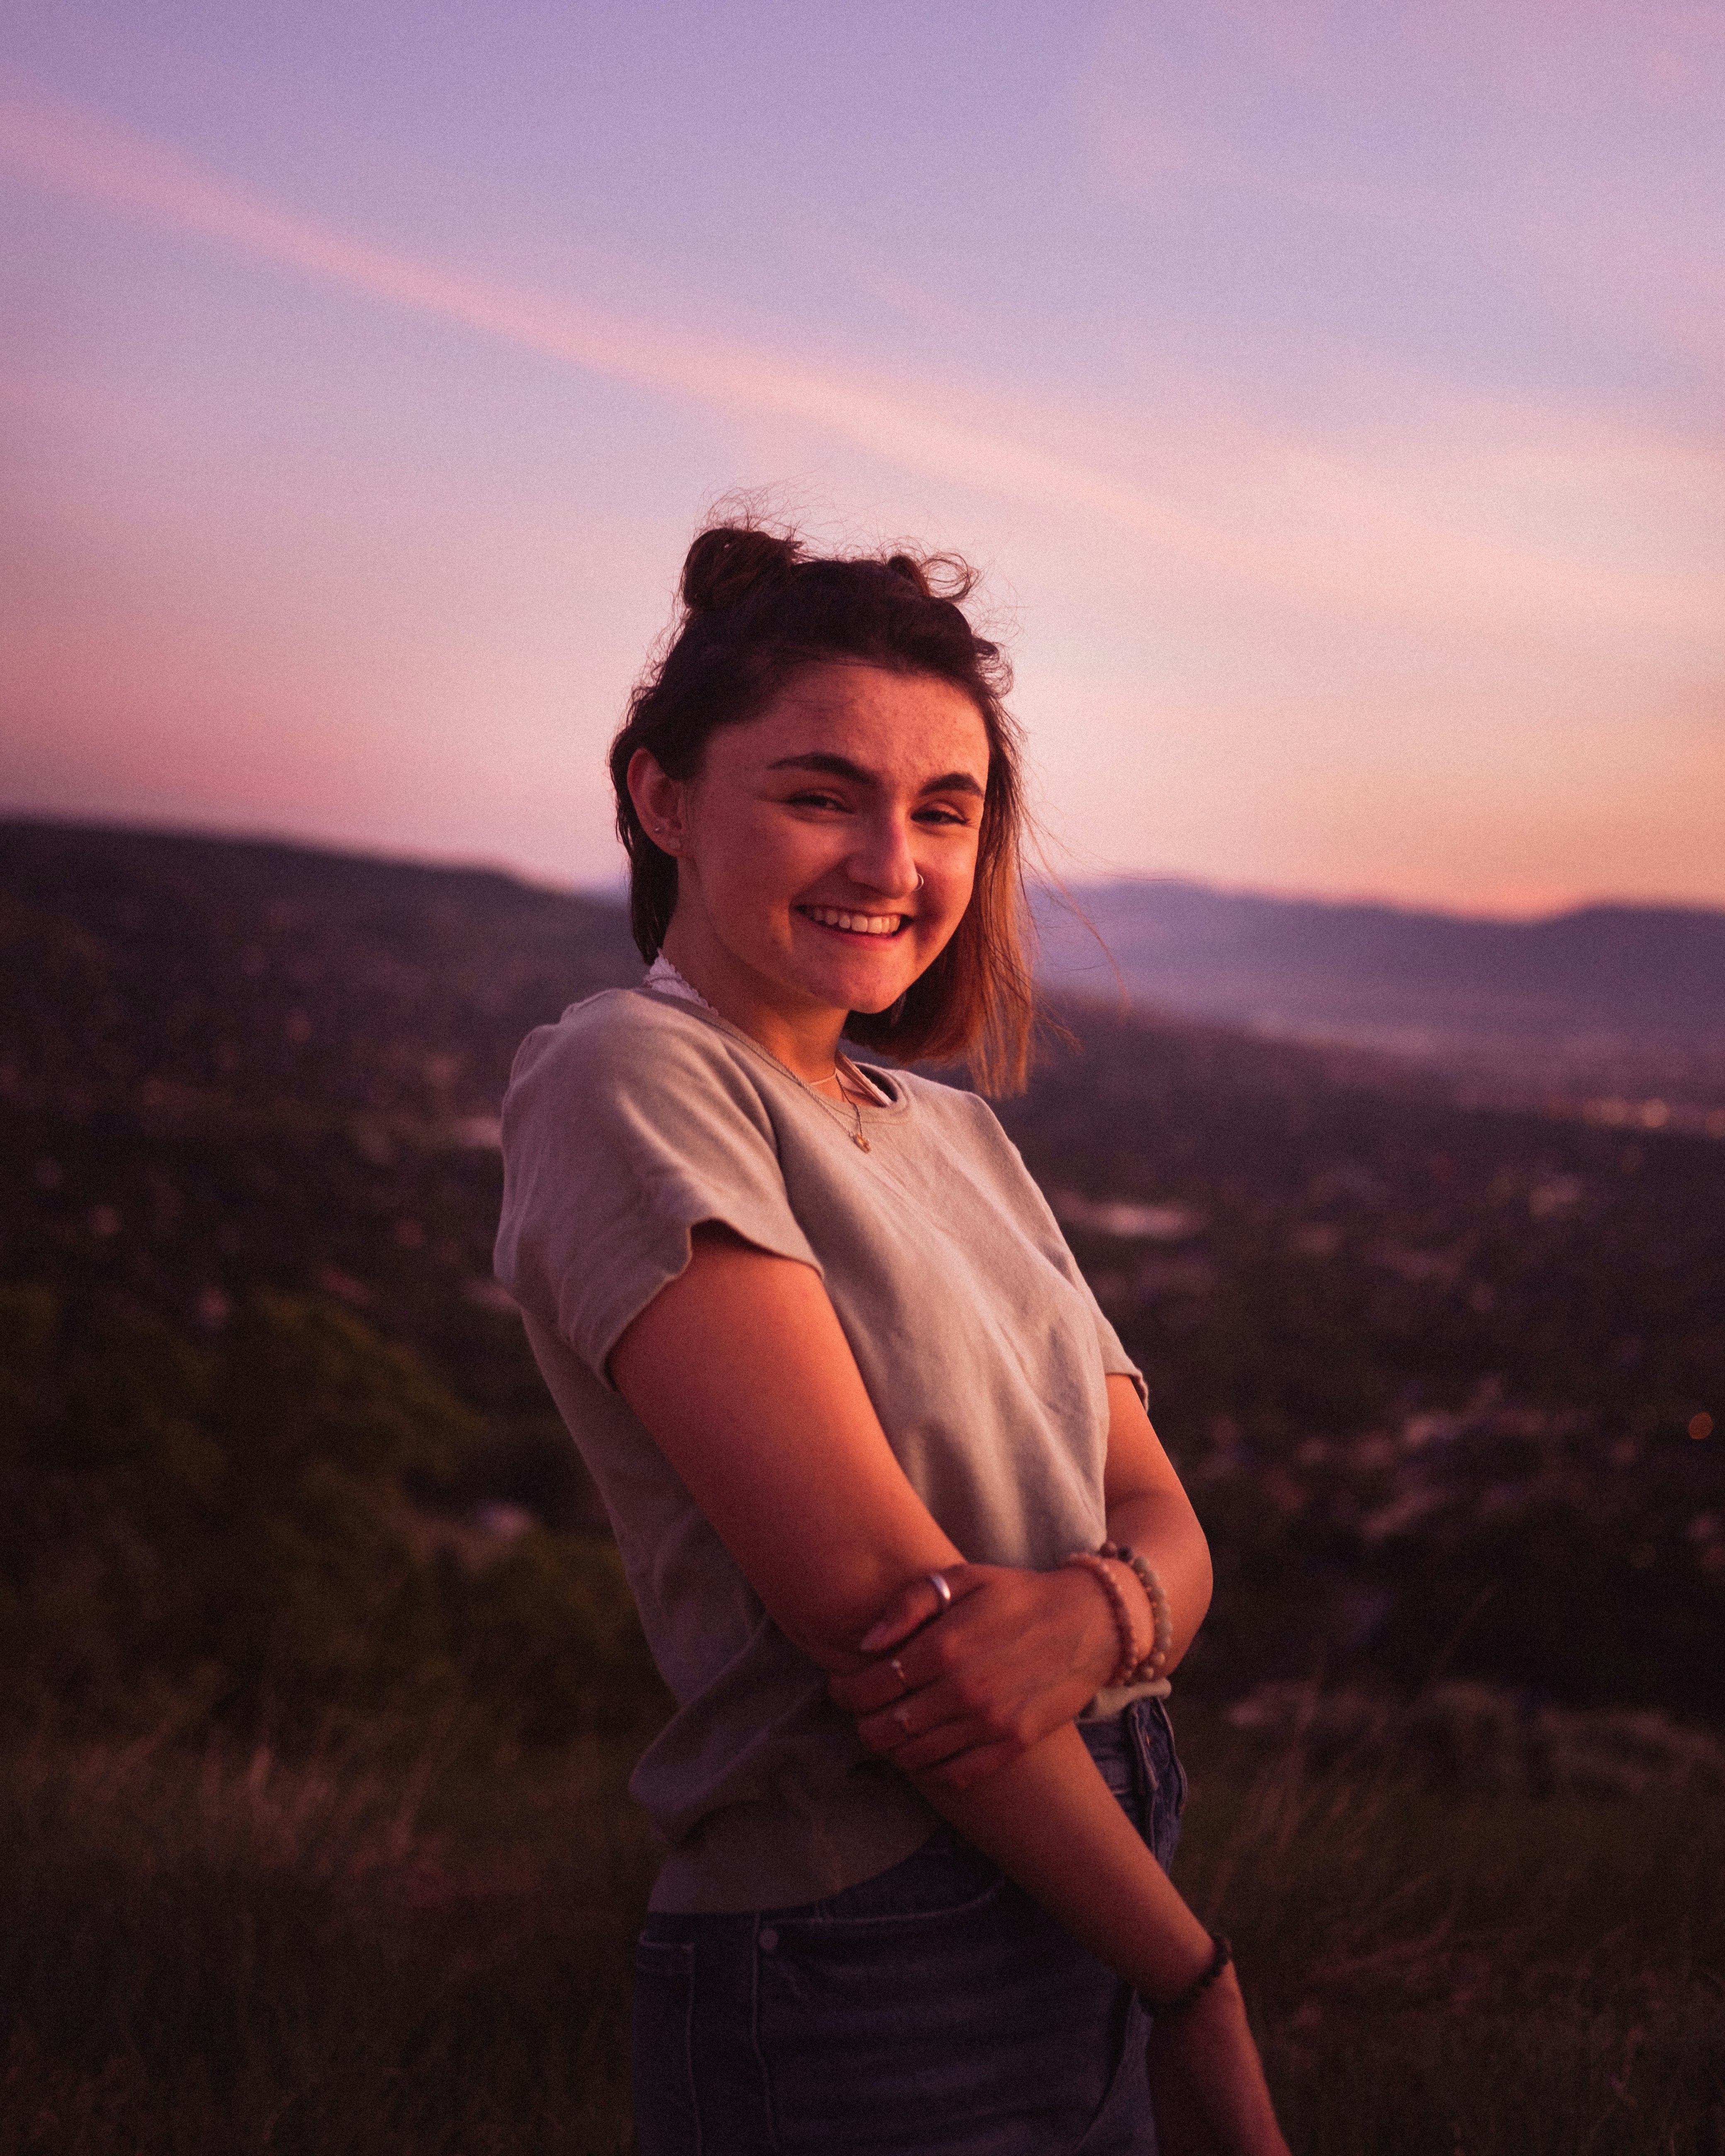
(82, 158)
(1358, 551)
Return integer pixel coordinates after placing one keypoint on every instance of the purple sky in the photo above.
(1335, 394)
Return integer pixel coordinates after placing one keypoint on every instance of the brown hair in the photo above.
(755, 609)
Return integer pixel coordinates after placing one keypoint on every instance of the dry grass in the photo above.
(220, 1954)
(226, 1955)
(1433, 1970)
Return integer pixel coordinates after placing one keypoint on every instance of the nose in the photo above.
(882, 860)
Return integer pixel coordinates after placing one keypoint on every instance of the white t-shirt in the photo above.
(637, 1117)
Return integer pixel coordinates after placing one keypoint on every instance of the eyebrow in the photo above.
(841, 766)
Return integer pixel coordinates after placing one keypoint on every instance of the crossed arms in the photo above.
(741, 1372)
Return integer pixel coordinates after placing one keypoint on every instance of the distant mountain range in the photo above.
(1607, 993)
(1608, 1000)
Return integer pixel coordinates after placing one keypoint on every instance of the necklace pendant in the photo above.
(862, 1144)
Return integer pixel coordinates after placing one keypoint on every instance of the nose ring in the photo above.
(920, 879)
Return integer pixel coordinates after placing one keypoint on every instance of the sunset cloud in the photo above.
(1359, 549)
(99, 163)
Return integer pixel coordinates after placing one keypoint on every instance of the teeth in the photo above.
(859, 924)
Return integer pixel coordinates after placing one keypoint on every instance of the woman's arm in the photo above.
(741, 1372)
(1150, 1511)
(1022, 1652)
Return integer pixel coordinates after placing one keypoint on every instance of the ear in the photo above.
(658, 799)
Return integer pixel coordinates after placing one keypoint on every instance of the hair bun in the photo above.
(725, 563)
(907, 566)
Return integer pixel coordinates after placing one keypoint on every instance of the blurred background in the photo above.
(1331, 395)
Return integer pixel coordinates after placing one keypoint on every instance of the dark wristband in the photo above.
(1170, 2009)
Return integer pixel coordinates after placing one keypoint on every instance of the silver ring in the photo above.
(922, 880)
(898, 1670)
(937, 1581)
(901, 1717)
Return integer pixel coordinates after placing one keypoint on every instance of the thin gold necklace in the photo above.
(662, 975)
(857, 1138)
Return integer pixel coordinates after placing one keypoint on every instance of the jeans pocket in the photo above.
(667, 2119)
(946, 1874)
(932, 2029)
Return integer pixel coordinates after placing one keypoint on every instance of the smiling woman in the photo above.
(826, 852)
(826, 649)
(905, 1546)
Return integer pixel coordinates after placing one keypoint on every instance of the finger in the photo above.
(866, 1691)
(918, 1604)
(930, 1748)
(899, 1736)
(895, 1726)
(881, 1684)
(909, 1611)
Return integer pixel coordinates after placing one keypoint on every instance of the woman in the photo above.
(867, 1442)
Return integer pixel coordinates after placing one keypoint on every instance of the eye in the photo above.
(938, 812)
(814, 798)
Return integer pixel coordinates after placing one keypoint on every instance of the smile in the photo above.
(855, 924)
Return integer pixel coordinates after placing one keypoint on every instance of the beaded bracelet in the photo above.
(1118, 1603)
(1162, 1617)
(1171, 2009)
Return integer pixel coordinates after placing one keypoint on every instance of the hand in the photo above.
(1018, 1655)
(1207, 2081)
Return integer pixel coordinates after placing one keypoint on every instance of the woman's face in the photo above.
(827, 851)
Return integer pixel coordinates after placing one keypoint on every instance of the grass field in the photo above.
(218, 1953)
(1436, 1970)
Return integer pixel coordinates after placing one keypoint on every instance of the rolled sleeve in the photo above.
(619, 1138)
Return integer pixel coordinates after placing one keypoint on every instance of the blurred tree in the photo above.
(190, 1534)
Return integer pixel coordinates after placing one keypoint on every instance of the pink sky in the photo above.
(1331, 394)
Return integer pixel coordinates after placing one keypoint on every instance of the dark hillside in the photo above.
(231, 1062)
(1433, 1371)
(1444, 1380)
(258, 972)
(271, 1446)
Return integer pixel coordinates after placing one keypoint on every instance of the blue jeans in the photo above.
(933, 2011)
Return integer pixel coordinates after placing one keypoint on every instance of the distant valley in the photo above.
(1608, 1001)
